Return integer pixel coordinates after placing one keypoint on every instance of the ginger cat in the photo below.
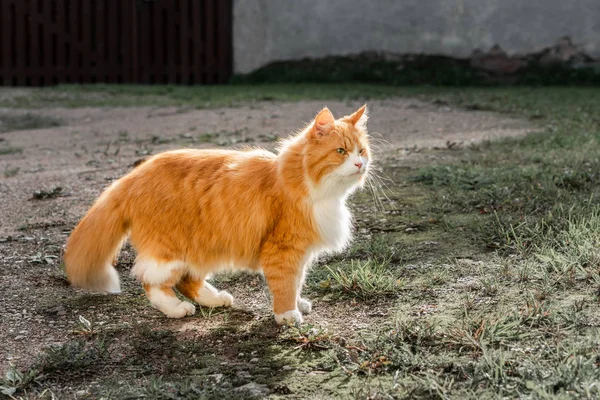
(189, 213)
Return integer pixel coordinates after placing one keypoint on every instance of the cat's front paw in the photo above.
(226, 298)
(305, 306)
(183, 309)
(214, 298)
(290, 316)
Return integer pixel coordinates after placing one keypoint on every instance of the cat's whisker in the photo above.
(383, 187)
(380, 143)
(378, 150)
(376, 185)
(379, 139)
(373, 192)
(379, 196)
(376, 181)
(382, 175)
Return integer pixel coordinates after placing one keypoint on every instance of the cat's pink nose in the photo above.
(359, 165)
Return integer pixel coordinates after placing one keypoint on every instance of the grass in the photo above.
(535, 201)
(481, 281)
(362, 280)
(10, 171)
(10, 150)
(47, 194)
(575, 249)
(76, 357)
(195, 96)
(16, 381)
(27, 121)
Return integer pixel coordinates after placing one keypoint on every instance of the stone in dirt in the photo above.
(253, 389)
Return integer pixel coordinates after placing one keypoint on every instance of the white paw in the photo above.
(305, 306)
(211, 299)
(226, 298)
(112, 282)
(290, 316)
(183, 309)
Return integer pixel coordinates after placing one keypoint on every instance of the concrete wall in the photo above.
(274, 30)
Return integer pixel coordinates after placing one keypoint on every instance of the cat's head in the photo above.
(337, 154)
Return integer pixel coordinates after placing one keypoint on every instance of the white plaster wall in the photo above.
(275, 30)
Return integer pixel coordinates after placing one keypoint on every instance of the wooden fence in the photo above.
(45, 42)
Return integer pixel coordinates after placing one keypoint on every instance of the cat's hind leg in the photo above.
(203, 292)
(304, 305)
(158, 279)
(163, 298)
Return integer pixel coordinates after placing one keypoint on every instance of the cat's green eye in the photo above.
(341, 151)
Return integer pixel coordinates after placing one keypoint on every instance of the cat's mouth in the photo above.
(358, 173)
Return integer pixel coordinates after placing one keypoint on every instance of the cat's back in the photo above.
(171, 187)
(204, 163)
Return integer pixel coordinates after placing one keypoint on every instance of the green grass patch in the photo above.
(16, 381)
(10, 150)
(28, 121)
(196, 96)
(362, 280)
(517, 185)
(76, 357)
(10, 171)
(573, 252)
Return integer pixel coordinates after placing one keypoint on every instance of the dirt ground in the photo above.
(58, 171)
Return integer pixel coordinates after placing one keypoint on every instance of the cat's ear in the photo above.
(359, 117)
(323, 124)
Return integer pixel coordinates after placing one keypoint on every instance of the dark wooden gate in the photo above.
(44, 42)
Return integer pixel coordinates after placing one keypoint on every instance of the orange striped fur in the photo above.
(189, 213)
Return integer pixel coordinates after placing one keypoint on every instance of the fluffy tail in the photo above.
(93, 245)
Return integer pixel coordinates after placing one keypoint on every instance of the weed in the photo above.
(75, 356)
(196, 96)
(535, 313)
(10, 150)
(495, 367)
(379, 248)
(47, 194)
(161, 388)
(416, 333)
(27, 121)
(363, 280)
(377, 355)
(85, 327)
(476, 333)
(574, 250)
(225, 138)
(208, 312)
(16, 381)
(309, 337)
(10, 171)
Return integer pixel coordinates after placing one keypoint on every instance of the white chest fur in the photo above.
(334, 222)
